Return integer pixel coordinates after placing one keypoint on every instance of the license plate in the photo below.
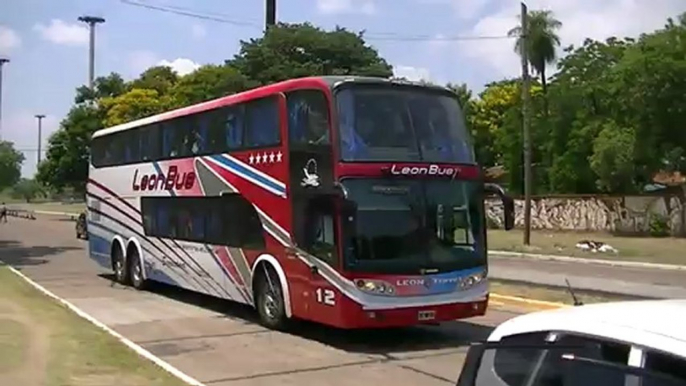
(426, 315)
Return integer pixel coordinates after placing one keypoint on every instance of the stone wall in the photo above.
(630, 214)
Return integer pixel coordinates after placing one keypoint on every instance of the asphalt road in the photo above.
(219, 343)
(629, 281)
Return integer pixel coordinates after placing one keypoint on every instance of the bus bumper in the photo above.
(357, 317)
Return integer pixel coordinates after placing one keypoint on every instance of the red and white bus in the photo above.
(350, 201)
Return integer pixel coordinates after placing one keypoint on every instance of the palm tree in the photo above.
(542, 42)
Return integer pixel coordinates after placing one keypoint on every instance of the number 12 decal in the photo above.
(326, 296)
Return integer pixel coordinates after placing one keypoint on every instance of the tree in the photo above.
(210, 82)
(158, 78)
(135, 104)
(299, 50)
(26, 189)
(613, 158)
(66, 162)
(541, 42)
(10, 164)
(104, 86)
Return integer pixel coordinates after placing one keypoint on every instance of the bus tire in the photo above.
(136, 271)
(121, 273)
(269, 299)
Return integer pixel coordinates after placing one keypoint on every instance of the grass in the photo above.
(13, 343)
(666, 250)
(549, 294)
(75, 352)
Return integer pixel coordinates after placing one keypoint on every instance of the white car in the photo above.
(633, 343)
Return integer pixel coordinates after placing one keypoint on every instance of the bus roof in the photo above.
(259, 92)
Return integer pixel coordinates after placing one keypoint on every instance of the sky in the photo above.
(48, 47)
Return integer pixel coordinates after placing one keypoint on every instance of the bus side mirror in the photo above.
(508, 203)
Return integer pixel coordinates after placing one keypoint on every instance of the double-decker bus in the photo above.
(350, 201)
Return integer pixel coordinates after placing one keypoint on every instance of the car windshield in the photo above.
(410, 226)
(401, 123)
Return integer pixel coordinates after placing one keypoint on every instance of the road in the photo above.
(219, 343)
(635, 282)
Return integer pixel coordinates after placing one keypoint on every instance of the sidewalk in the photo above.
(634, 280)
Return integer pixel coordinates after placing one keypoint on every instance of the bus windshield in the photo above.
(401, 123)
(404, 226)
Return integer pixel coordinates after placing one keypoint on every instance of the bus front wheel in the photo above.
(269, 299)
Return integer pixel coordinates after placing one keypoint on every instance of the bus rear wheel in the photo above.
(121, 274)
(136, 272)
(269, 300)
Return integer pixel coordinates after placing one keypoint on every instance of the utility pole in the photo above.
(91, 21)
(270, 13)
(525, 124)
(2, 62)
(40, 134)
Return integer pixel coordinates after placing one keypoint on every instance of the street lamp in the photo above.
(40, 130)
(91, 21)
(2, 62)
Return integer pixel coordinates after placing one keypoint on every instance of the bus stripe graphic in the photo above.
(226, 262)
(250, 174)
(217, 288)
(240, 262)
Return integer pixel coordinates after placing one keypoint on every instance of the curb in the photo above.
(130, 344)
(583, 260)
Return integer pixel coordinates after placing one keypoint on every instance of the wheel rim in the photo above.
(118, 267)
(136, 271)
(271, 307)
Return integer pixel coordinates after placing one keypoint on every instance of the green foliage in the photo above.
(10, 164)
(613, 158)
(210, 82)
(296, 50)
(135, 104)
(658, 226)
(66, 163)
(27, 190)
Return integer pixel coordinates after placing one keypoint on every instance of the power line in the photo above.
(184, 12)
(378, 36)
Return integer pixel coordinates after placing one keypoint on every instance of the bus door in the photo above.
(313, 209)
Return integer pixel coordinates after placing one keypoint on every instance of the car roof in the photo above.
(656, 324)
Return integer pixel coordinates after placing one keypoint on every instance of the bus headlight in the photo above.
(470, 281)
(376, 287)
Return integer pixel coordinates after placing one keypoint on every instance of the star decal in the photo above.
(265, 158)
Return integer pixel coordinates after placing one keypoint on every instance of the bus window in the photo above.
(233, 127)
(319, 230)
(149, 141)
(308, 117)
(262, 121)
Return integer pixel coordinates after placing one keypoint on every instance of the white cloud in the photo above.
(21, 127)
(580, 18)
(61, 32)
(412, 73)
(182, 66)
(198, 31)
(140, 61)
(346, 6)
(9, 40)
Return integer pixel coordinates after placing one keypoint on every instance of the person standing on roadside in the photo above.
(3, 212)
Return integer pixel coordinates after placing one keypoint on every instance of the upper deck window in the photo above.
(393, 123)
(308, 117)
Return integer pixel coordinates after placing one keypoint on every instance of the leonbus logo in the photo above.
(426, 282)
(160, 181)
(431, 170)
